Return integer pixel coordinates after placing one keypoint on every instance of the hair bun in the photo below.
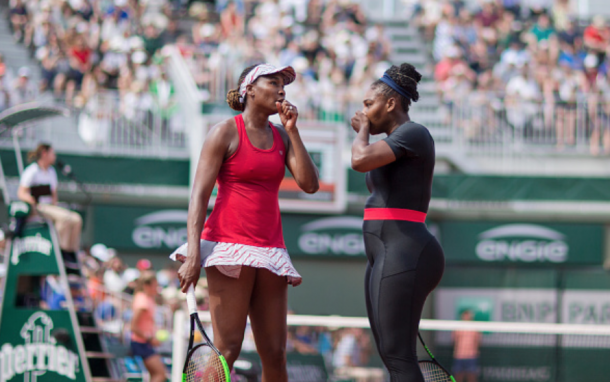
(233, 100)
(410, 71)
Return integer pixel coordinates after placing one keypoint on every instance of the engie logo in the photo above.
(27, 244)
(39, 354)
(332, 236)
(522, 242)
(163, 228)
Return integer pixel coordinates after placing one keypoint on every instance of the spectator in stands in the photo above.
(38, 187)
(565, 122)
(597, 37)
(4, 86)
(113, 276)
(23, 89)
(523, 97)
(143, 328)
(466, 352)
(347, 349)
(58, 298)
(542, 30)
(19, 17)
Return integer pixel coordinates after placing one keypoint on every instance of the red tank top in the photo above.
(247, 208)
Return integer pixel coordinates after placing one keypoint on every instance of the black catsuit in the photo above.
(405, 262)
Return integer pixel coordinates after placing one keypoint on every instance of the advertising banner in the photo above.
(522, 243)
(143, 228)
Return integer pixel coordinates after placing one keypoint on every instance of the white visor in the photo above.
(264, 70)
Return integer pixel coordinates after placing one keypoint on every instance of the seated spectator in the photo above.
(19, 18)
(542, 29)
(597, 37)
(23, 89)
(113, 276)
(523, 96)
(58, 298)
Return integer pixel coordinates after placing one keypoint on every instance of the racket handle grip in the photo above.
(191, 301)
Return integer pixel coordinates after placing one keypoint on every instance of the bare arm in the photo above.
(298, 159)
(212, 155)
(23, 193)
(135, 329)
(366, 156)
(54, 196)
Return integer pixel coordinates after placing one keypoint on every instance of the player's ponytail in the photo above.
(233, 96)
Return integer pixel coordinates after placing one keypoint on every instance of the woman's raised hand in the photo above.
(288, 114)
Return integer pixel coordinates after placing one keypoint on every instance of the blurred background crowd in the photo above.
(530, 61)
(86, 47)
(534, 63)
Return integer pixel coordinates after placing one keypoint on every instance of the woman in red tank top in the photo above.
(242, 247)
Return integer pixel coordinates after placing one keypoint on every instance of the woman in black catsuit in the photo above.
(405, 262)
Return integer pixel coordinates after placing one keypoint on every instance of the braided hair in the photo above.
(234, 95)
(407, 77)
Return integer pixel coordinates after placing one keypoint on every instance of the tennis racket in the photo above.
(432, 370)
(204, 363)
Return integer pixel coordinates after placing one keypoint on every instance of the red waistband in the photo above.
(394, 214)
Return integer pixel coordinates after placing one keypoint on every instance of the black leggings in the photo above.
(405, 263)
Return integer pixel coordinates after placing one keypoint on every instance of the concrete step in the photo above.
(407, 44)
(413, 59)
(402, 30)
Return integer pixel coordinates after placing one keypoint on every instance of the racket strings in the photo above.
(433, 373)
(205, 366)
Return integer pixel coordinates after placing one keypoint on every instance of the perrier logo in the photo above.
(39, 354)
(35, 243)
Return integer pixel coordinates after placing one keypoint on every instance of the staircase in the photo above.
(408, 46)
(15, 54)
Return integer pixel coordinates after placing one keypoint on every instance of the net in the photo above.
(331, 348)
(511, 352)
(433, 373)
(204, 365)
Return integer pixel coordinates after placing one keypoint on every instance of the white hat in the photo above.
(139, 57)
(131, 274)
(24, 71)
(265, 70)
(100, 252)
(590, 61)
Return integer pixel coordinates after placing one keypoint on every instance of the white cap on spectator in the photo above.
(207, 30)
(138, 57)
(82, 27)
(591, 61)
(300, 64)
(24, 71)
(453, 52)
(75, 4)
(136, 42)
(120, 3)
(100, 252)
(599, 21)
(131, 274)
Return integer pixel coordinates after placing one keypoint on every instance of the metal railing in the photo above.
(109, 124)
(113, 312)
(519, 127)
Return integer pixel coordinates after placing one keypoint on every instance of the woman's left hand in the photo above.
(288, 114)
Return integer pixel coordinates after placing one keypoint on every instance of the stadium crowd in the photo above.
(538, 64)
(85, 47)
